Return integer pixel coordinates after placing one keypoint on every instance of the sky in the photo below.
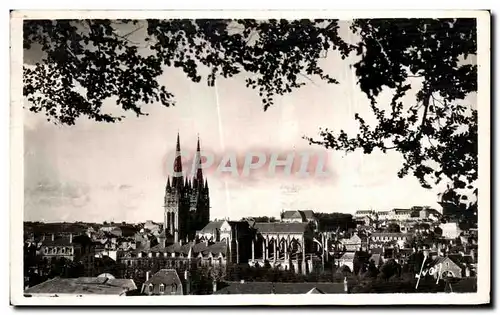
(98, 172)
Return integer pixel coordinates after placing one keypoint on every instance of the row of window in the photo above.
(58, 250)
(161, 288)
(389, 238)
(172, 263)
(166, 263)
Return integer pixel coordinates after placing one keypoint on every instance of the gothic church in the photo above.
(187, 203)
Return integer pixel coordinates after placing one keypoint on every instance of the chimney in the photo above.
(346, 289)
(53, 236)
(147, 275)
(467, 272)
(70, 238)
(214, 285)
(180, 242)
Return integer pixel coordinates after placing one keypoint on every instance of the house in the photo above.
(377, 259)
(427, 213)
(450, 230)
(365, 221)
(151, 226)
(447, 267)
(299, 216)
(83, 286)
(360, 214)
(284, 288)
(237, 235)
(114, 230)
(347, 260)
(388, 237)
(70, 247)
(353, 244)
(164, 282)
(401, 214)
(178, 256)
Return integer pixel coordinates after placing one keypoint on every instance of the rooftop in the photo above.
(279, 227)
(83, 285)
(281, 288)
(165, 276)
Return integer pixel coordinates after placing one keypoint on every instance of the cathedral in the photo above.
(187, 203)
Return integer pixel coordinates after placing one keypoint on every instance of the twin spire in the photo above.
(178, 178)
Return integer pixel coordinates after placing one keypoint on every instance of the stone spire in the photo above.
(199, 171)
(177, 180)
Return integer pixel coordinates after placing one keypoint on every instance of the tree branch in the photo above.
(308, 78)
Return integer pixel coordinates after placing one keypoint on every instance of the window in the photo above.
(162, 288)
(174, 288)
(150, 288)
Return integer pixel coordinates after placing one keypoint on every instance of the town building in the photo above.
(450, 230)
(237, 234)
(164, 282)
(347, 259)
(283, 245)
(355, 243)
(299, 216)
(447, 267)
(390, 237)
(360, 214)
(71, 248)
(111, 229)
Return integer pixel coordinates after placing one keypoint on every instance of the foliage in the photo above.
(436, 136)
(389, 269)
(393, 228)
(332, 221)
(262, 274)
(438, 231)
(64, 268)
(360, 262)
(264, 219)
(88, 61)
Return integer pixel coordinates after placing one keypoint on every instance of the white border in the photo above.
(17, 176)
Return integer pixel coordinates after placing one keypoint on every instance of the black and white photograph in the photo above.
(272, 156)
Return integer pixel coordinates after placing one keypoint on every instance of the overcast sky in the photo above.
(97, 171)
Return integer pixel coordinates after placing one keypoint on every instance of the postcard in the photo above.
(176, 157)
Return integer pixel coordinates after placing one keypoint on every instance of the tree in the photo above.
(88, 61)
(371, 271)
(393, 228)
(332, 221)
(264, 219)
(389, 269)
(438, 231)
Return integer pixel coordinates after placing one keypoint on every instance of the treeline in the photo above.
(335, 220)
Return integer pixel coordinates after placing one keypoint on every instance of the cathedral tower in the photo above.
(186, 203)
